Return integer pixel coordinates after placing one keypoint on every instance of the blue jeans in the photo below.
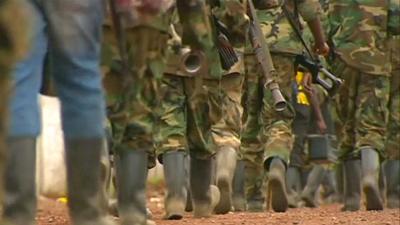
(70, 31)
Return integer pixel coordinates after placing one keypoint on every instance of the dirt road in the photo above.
(52, 212)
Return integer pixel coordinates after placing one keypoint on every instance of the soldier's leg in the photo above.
(314, 179)
(172, 146)
(238, 194)
(371, 121)
(226, 134)
(294, 172)
(392, 165)
(345, 114)
(276, 134)
(250, 148)
(133, 116)
(298, 161)
(202, 148)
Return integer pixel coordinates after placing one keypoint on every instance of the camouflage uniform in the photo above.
(202, 113)
(359, 33)
(267, 133)
(12, 46)
(363, 62)
(132, 111)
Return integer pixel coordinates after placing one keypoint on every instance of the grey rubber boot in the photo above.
(253, 184)
(85, 188)
(189, 205)
(352, 185)
(225, 168)
(131, 173)
(204, 195)
(314, 180)
(19, 206)
(392, 171)
(340, 181)
(330, 187)
(277, 185)
(370, 179)
(238, 196)
(293, 183)
(175, 179)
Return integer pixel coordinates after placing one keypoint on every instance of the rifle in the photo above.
(226, 52)
(332, 83)
(264, 59)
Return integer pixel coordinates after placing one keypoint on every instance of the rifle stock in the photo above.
(264, 59)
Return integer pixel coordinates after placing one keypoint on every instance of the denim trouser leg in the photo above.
(27, 75)
(74, 40)
(73, 29)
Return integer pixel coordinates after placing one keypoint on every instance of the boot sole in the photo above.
(279, 201)
(174, 216)
(309, 203)
(373, 201)
(225, 203)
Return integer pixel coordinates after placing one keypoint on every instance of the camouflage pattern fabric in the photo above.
(132, 110)
(198, 32)
(275, 133)
(199, 121)
(393, 134)
(13, 45)
(362, 106)
(202, 112)
(277, 30)
(267, 133)
(252, 104)
(358, 30)
(281, 40)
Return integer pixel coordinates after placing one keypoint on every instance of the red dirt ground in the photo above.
(52, 212)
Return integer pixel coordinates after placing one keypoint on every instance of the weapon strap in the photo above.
(296, 29)
(122, 43)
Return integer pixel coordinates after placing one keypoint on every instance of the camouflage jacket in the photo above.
(232, 14)
(359, 32)
(277, 30)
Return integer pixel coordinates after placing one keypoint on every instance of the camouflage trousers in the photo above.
(267, 133)
(362, 107)
(200, 115)
(132, 107)
(393, 129)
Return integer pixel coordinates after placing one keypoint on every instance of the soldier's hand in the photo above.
(322, 128)
(321, 49)
(307, 81)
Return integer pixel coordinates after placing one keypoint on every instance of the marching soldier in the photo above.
(359, 31)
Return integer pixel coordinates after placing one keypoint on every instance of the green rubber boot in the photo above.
(352, 185)
(225, 168)
(238, 196)
(370, 179)
(204, 195)
(277, 185)
(19, 206)
(175, 179)
(392, 171)
(86, 198)
(313, 181)
(131, 168)
(254, 176)
(293, 183)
